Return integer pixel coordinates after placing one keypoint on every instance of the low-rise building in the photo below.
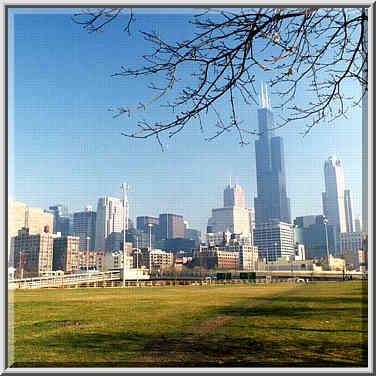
(291, 265)
(91, 260)
(247, 253)
(363, 260)
(160, 260)
(114, 261)
(299, 252)
(227, 251)
(228, 259)
(336, 263)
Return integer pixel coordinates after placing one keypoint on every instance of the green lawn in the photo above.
(321, 324)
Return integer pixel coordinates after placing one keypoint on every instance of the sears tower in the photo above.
(271, 202)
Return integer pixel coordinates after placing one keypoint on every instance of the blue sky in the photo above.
(65, 147)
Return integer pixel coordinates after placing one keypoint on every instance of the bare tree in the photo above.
(311, 52)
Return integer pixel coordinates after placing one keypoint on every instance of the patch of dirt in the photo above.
(60, 324)
(211, 325)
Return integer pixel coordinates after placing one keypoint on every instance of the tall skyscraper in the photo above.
(233, 217)
(233, 195)
(271, 202)
(334, 196)
(171, 226)
(274, 239)
(143, 223)
(84, 224)
(350, 221)
(62, 221)
(311, 231)
(109, 219)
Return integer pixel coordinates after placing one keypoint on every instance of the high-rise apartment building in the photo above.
(33, 253)
(271, 202)
(350, 221)
(109, 219)
(84, 225)
(274, 240)
(66, 254)
(171, 226)
(334, 196)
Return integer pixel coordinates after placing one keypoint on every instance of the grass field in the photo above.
(321, 324)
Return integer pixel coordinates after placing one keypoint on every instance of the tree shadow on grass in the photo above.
(179, 350)
(295, 298)
(279, 311)
(309, 329)
(213, 348)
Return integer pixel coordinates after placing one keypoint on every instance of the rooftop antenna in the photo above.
(267, 98)
(262, 95)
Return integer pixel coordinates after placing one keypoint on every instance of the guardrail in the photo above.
(101, 278)
(64, 280)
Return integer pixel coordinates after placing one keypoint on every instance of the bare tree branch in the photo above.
(310, 51)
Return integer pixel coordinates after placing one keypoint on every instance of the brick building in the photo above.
(160, 260)
(33, 253)
(66, 254)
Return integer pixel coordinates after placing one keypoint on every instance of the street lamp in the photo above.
(275, 251)
(87, 253)
(150, 226)
(327, 243)
(124, 187)
(137, 251)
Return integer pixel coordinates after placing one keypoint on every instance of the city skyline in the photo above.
(59, 119)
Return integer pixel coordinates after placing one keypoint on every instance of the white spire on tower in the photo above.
(262, 95)
(265, 100)
(267, 97)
